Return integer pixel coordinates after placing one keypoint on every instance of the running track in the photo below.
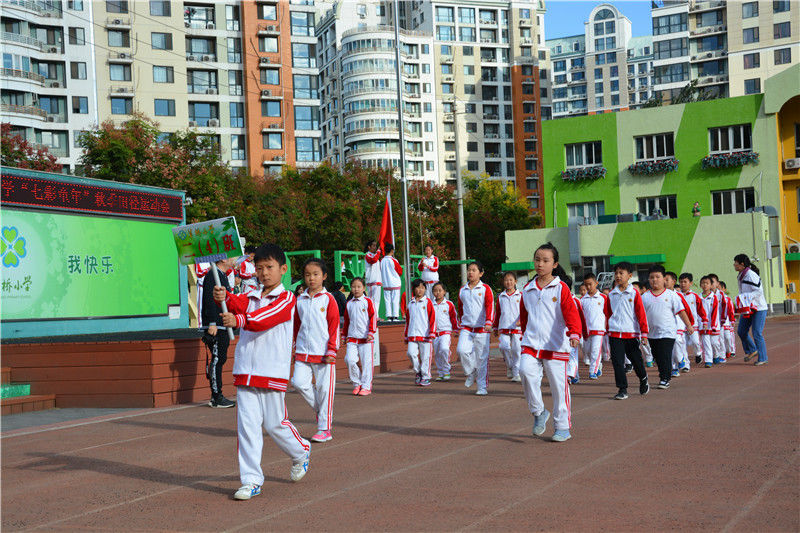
(718, 451)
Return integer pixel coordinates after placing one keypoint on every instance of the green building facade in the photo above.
(687, 186)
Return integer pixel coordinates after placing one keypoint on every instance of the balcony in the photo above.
(26, 40)
(268, 29)
(271, 94)
(206, 58)
(23, 110)
(22, 74)
(712, 80)
(202, 89)
(271, 126)
(699, 7)
(120, 57)
(369, 50)
(43, 9)
(448, 117)
(449, 136)
(525, 23)
(374, 129)
(446, 60)
(487, 22)
(709, 30)
(371, 90)
(491, 116)
(119, 22)
(121, 91)
(706, 56)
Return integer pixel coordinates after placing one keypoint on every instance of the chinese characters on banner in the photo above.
(89, 264)
(208, 241)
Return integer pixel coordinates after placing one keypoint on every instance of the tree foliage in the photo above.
(18, 152)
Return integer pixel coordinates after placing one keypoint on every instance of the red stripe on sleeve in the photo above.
(639, 313)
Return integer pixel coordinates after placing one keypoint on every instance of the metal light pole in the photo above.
(462, 245)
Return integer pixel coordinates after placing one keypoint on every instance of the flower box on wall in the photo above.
(732, 159)
(584, 173)
(649, 168)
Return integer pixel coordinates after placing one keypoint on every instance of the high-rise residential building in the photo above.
(605, 69)
(47, 82)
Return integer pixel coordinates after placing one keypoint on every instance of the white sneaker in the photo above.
(469, 381)
(481, 392)
(516, 379)
(247, 491)
(300, 468)
(509, 373)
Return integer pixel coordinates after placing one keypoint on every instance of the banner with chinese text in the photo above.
(208, 242)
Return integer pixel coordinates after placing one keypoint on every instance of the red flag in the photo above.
(386, 234)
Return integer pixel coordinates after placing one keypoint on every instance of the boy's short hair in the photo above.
(713, 277)
(705, 278)
(249, 249)
(439, 284)
(687, 275)
(722, 284)
(268, 251)
(624, 265)
(671, 274)
(588, 276)
(636, 283)
(416, 282)
(657, 268)
(388, 247)
(337, 285)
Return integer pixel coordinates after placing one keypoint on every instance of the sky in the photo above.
(566, 17)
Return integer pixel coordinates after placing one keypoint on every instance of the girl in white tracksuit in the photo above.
(372, 272)
(551, 326)
(429, 270)
(316, 332)
(476, 315)
(360, 325)
(446, 327)
(420, 331)
(506, 325)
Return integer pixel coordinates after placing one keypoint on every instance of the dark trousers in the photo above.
(620, 348)
(662, 353)
(218, 346)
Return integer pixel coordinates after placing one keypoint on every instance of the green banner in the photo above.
(208, 242)
(57, 266)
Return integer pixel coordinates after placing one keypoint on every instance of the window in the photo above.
(559, 66)
(270, 108)
(651, 147)
(237, 114)
(306, 117)
(203, 112)
(466, 15)
(163, 74)
(302, 23)
(77, 70)
(750, 35)
(119, 72)
(582, 154)
(472, 146)
(305, 86)
(75, 5)
(752, 86)
(116, 6)
(586, 212)
(670, 24)
(238, 148)
(780, 6)
(272, 141)
(199, 81)
(234, 49)
(80, 105)
(78, 35)
(671, 48)
(469, 89)
(729, 139)
(270, 76)
(268, 44)
(164, 108)
(599, 102)
(307, 149)
(733, 201)
(749, 10)
(782, 30)
(752, 60)
(267, 11)
(614, 85)
(304, 55)
(467, 34)
(160, 8)
(445, 33)
(444, 14)
(783, 56)
(161, 41)
(121, 106)
(671, 73)
(120, 38)
(659, 207)
(614, 99)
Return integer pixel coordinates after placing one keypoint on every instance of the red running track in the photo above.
(718, 451)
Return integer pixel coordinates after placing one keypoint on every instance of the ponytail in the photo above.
(742, 259)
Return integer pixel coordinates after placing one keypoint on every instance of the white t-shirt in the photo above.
(661, 311)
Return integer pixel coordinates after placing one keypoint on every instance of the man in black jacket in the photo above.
(216, 338)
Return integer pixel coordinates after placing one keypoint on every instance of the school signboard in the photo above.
(208, 242)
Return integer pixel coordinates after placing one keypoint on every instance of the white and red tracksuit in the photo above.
(263, 361)
(419, 333)
(699, 316)
(679, 348)
(506, 323)
(247, 273)
(625, 312)
(372, 275)
(200, 270)
(710, 330)
(476, 315)
(574, 353)
(390, 273)
(549, 318)
(446, 324)
(316, 331)
(360, 325)
(429, 273)
(593, 307)
(728, 338)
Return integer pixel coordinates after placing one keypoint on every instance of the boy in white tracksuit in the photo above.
(390, 274)
(261, 370)
(429, 270)
(360, 325)
(728, 338)
(574, 352)
(594, 304)
(420, 331)
(372, 272)
(709, 333)
(506, 325)
(476, 315)
(446, 326)
(699, 314)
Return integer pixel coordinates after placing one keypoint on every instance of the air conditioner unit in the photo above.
(791, 164)
(53, 50)
(263, 60)
(207, 58)
(213, 123)
(192, 124)
(278, 158)
(51, 119)
(117, 21)
(191, 58)
(54, 84)
(266, 92)
(211, 91)
(694, 58)
(271, 28)
(709, 54)
(187, 24)
(123, 90)
(122, 55)
(210, 26)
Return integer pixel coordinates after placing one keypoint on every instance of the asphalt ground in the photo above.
(717, 451)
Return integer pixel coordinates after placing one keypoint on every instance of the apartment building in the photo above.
(47, 79)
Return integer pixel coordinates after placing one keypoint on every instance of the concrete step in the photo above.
(26, 404)
(13, 390)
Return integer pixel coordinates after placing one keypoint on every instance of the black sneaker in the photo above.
(221, 402)
(621, 395)
(628, 369)
(644, 386)
(663, 384)
(697, 359)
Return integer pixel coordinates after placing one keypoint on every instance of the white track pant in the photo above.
(606, 349)
(511, 350)
(429, 289)
(693, 340)
(531, 370)
(257, 408)
(359, 353)
(374, 293)
(592, 346)
(199, 304)
(420, 355)
(474, 355)
(729, 340)
(647, 353)
(679, 353)
(391, 301)
(319, 395)
(712, 348)
(441, 353)
(572, 364)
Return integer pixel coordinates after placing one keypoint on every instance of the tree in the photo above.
(18, 152)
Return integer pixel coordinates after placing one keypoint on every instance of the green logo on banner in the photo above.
(12, 246)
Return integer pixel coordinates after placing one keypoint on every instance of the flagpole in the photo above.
(401, 125)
